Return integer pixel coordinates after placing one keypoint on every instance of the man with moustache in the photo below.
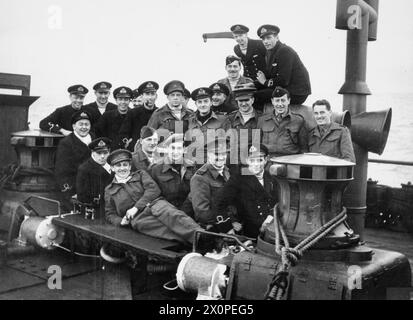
(72, 151)
(233, 68)
(144, 157)
(94, 175)
(220, 94)
(252, 52)
(60, 120)
(110, 122)
(139, 117)
(102, 104)
(173, 117)
(283, 69)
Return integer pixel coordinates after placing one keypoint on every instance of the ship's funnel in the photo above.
(370, 130)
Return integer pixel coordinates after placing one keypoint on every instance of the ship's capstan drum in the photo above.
(310, 188)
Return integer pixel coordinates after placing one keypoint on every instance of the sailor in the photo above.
(110, 122)
(60, 120)
(137, 99)
(252, 52)
(144, 155)
(102, 104)
(94, 175)
(173, 175)
(132, 199)
(283, 68)
(252, 192)
(329, 138)
(220, 94)
(283, 132)
(233, 68)
(72, 151)
(207, 183)
(173, 117)
(139, 116)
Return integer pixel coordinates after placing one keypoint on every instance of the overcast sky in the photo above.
(127, 42)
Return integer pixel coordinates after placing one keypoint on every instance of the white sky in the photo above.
(127, 42)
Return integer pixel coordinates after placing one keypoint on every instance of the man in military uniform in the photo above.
(137, 99)
(94, 175)
(102, 104)
(110, 122)
(72, 151)
(283, 132)
(233, 68)
(328, 137)
(253, 193)
(60, 120)
(139, 117)
(144, 156)
(283, 68)
(220, 94)
(252, 52)
(207, 183)
(173, 117)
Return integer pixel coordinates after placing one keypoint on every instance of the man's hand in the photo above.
(131, 213)
(261, 77)
(266, 223)
(65, 132)
(125, 221)
(237, 226)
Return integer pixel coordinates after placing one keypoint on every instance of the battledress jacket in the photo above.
(163, 118)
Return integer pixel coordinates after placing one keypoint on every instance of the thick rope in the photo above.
(291, 256)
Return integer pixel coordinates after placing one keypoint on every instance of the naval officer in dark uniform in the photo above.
(220, 94)
(72, 151)
(110, 122)
(60, 120)
(102, 104)
(94, 175)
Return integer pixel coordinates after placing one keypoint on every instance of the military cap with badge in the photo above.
(148, 86)
(280, 92)
(174, 86)
(80, 115)
(100, 145)
(257, 150)
(220, 88)
(119, 155)
(239, 29)
(123, 92)
(201, 93)
(230, 59)
(78, 89)
(102, 86)
(244, 91)
(267, 29)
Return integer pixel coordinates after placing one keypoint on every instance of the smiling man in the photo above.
(330, 138)
(144, 157)
(220, 94)
(102, 104)
(60, 120)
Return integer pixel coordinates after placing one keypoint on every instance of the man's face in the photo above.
(149, 144)
(256, 164)
(218, 98)
(100, 156)
(123, 104)
(233, 69)
(82, 127)
(241, 39)
(281, 104)
(137, 102)
(245, 104)
(175, 99)
(176, 152)
(149, 98)
(102, 96)
(203, 105)
(270, 41)
(322, 115)
(218, 160)
(77, 100)
(122, 169)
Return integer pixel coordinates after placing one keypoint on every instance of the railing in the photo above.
(399, 163)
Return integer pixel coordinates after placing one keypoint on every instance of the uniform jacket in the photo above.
(164, 119)
(336, 142)
(205, 186)
(254, 60)
(140, 161)
(285, 69)
(91, 182)
(133, 123)
(59, 119)
(109, 125)
(214, 122)
(93, 110)
(253, 200)
(174, 185)
(285, 138)
(71, 153)
(138, 192)
(231, 99)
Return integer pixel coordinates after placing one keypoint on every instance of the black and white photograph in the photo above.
(201, 156)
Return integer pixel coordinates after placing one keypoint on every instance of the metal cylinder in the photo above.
(41, 232)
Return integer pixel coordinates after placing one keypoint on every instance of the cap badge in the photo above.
(83, 114)
(149, 85)
(103, 86)
(102, 143)
(237, 28)
(217, 87)
(80, 89)
(201, 91)
(253, 149)
(123, 90)
(263, 30)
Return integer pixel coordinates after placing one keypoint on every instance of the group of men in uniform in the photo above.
(186, 152)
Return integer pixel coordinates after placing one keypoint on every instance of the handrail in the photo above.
(395, 162)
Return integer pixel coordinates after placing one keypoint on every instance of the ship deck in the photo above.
(26, 278)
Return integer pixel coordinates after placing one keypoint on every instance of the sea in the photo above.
(399, 145)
